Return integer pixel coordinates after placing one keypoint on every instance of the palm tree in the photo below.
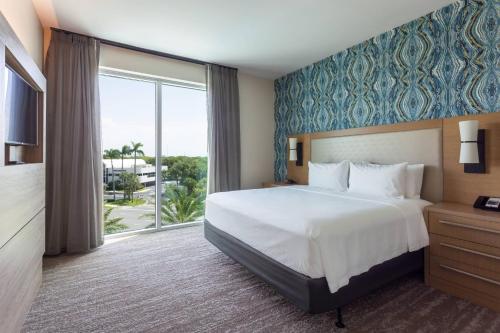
(136, 150)
(112, 225)
(181, 206)
(124, 152)
(112, 154)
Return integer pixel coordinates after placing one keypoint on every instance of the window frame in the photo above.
(159, 81)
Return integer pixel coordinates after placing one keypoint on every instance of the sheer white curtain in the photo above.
(74, 220)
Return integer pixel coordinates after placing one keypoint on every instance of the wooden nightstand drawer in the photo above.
(478, 255)
(474, 278)
(463, 258)
(474, 230)
(464, 292)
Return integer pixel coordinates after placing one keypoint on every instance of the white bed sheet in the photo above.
(318, 232)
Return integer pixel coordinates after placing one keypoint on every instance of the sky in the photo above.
(128, 114)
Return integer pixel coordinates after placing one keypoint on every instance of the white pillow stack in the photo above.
(380, 180)
(400, 180)
(414, 179)
(333, 176)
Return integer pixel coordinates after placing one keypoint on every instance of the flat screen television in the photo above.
(21, 110)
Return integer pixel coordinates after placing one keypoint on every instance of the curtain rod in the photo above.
(141, 49)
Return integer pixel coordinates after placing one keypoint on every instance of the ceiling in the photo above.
(267, 38)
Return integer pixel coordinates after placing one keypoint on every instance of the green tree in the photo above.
(184, 201)
(180, 206)
(177, 171)
(149, 160)
(129, 182)
(201, 167)
(112, 154)
(112, 225)
(201, 187)
(164, 175)
(182, 168)
(124, 152)
(135, 149)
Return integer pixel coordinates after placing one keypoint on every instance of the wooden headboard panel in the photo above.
(466, 187)
(390, 148)
(457, 185)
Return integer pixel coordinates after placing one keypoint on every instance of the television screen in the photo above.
(20, 110)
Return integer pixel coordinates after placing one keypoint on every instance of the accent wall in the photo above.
(441, 65)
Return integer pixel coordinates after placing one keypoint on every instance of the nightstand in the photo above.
(464, 254)
(275, 184)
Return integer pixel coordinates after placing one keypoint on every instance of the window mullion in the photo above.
(158, 152)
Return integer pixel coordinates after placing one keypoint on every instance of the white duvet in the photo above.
(318, 232)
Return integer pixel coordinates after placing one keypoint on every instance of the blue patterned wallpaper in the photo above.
(441, 65)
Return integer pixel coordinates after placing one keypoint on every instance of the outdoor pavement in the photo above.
(133, 216)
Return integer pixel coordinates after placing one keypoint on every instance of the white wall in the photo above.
(257, 130)
(22, 17)
(256, 106)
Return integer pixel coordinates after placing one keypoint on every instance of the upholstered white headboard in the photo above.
(414, 146)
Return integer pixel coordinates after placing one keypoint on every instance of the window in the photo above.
(154, 134)
(184, 152)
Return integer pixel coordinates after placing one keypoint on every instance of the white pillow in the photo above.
(329, 175)
(414, 178)
(379, 180)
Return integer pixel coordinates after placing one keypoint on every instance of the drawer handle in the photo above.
(470, 251)
(455, 224)
(470, 274)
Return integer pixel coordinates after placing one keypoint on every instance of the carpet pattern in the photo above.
(175, 281)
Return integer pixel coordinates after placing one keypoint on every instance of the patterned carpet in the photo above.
(175, 281)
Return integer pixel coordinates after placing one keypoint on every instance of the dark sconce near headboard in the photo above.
(472, 146)
(295, 151)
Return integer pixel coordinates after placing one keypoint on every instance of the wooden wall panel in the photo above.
(466, 187)
(23, 196)
(22, 214)
(21, 273)
(299, 174)
(457, 186)
(400, 127)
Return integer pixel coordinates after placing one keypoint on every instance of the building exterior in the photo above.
(145, 172)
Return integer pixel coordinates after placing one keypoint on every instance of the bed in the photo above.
(323, 249)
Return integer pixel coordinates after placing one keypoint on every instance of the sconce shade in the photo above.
(468, 138)
(468, 130)
(295, 151)
(469, 152)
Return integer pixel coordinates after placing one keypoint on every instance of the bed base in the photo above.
(312, 295)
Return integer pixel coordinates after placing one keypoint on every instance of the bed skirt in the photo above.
(312, 295)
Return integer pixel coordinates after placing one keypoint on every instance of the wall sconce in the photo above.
(472, 146)
(295, 151)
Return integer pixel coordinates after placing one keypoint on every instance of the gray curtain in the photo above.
(74, 221)
(224, 154)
